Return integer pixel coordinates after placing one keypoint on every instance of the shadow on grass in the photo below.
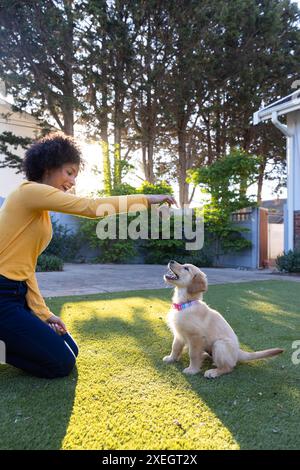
(34, 412)
(259, 401)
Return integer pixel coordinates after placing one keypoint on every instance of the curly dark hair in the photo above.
(49, 153)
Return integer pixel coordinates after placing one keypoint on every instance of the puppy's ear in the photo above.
(198, 284)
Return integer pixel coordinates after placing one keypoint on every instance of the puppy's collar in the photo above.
(184, 305)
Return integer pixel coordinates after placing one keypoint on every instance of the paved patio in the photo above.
(80, 279)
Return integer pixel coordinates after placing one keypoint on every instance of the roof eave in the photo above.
(285, 108)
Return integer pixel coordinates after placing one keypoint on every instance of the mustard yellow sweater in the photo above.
(26, 230)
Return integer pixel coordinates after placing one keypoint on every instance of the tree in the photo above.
(9, 141)
(184, 83)
(178, 81)
(37, 57)
(106, 64)
(147, 87)
(227, 182)
(255, 46)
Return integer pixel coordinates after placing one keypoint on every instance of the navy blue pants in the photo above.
(30, 344)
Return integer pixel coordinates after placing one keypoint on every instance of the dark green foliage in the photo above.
(110, 250)
(228, 179)
(37, 58)
(153, 250)
(161, 251)
(226, 182)
(64, 244)
(49, 263)
(289, 262)
(8, 142)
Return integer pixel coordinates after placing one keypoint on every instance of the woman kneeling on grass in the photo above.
(36, 340)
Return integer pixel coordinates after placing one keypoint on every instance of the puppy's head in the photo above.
(186, 276)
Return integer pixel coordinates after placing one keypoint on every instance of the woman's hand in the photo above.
(57, 325)
(160, 199)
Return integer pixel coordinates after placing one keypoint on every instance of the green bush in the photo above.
(160, 251)
(49, 263)
(154, 251)
(289, 262)
(64, 243)
(110, 250)
(159, 188)
(200, 258)
(226, 181)
(119, 250)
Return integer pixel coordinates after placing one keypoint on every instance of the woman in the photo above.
(36, 340)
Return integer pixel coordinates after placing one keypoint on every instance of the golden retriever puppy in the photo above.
(202, 329)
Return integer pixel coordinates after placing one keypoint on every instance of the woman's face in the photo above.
(63, 178)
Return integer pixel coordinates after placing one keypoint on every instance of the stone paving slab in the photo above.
(81, 279)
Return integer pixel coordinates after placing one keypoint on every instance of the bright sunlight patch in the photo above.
(122, 396)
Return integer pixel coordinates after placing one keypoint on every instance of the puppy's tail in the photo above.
(252, 356)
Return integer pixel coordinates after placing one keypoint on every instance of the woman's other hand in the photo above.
(57, 325)
(161, 198)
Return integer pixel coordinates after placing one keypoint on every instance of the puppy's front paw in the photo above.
(191, 371)
(211, 374)
(169, 359)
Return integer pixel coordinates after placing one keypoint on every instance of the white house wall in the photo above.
(22, 125)
(293, 120)
(275, 240)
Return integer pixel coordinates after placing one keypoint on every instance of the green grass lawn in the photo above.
(122, 396)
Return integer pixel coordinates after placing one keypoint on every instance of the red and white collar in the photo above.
(184, 305)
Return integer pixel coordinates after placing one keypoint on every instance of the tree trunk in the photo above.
(117, 140)
(183, 185)
(209, 143)
(150, 161)
(260, 181)
(104, 121)
(218, 126)
(68, 98)
(68, 106)
(104, 143)
(106, 160)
